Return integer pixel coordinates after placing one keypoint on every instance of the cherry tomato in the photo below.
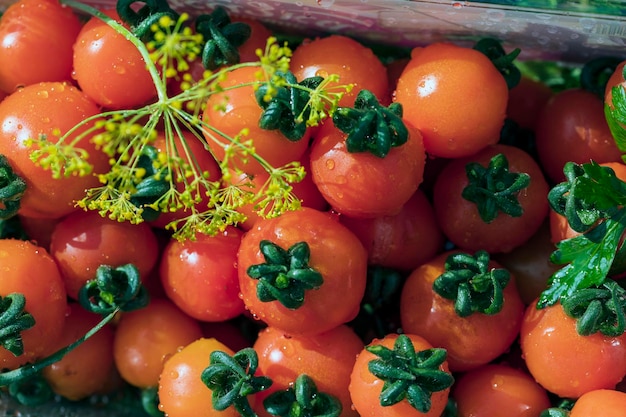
(460, 219)
(201, 277)
(353, 62)
(181, 390)
(361, 184)
(430, 88)
(471, 341)
(235, 109)
(48, 109)
(564, 362)
(526, 100)
(109, 68)
(499, 390)
(85, 370)
(29, 270)
(365, 388)
(572, 127)
(40, 33)
(334, 252)
(145, 338)
(84, 240)
(600, 402)
(327, 358)
(401, 241)
(259, 33)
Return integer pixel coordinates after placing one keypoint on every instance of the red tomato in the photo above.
(335, 253)
(28, 269)
(85, 370)
(259, 33)
(564, 362)
(40, 33)
(353, 62)
(47, 109)
(145, 338)
(459, 218)
(572, 127)
(526, 100)
(499, 390)
(601, 402)
(109, 68)
(181, 390)
(235, 109)
(84, 240)
(361, 184)
(365, 388)
(401, 241)
(200, 276)
(455, 96)
(471, 341)
(328, 358)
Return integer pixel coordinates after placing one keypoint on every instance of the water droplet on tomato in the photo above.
(330, 164)
(119, 70)
(341, 179)
(42, 94)
(45, 119)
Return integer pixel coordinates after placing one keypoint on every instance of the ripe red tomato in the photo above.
(85, 370)
(455, 96)
(471, 341)
(365, 388)
(50, 109)
(40, 33)
(259, 33)
(84, 240)
(181, 390)
(109, 68)
(600, 402)
(28, 269)
(460, 219)
(145, 338)
(327, 358)
(526, 100)
(235, 109)
(361, 184)
(572, 127)
(353, 62)
(334, 252)
(495, 389)
(401, 241)
(200, 276)
(564, 362)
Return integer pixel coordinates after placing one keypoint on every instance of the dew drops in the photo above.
(330, 164)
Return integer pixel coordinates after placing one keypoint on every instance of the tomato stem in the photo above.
(12, 188)
(13, 321)
(286, 275)
(223, 38)
(494, 188)
(302, 399)
(232, 379)
(492, 49)
(472, 284)
(596, 72)
(407, 374)
(31, 391)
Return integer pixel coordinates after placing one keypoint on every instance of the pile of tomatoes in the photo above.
(376, 231)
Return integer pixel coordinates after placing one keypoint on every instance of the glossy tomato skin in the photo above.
(231, 111)
(564, 362)
(600, 402)
(361, 184)
(109, 68)
(402, 241)
(181, 390)
(335, 252)
(46, 109)
(526, 100)
(84, 240)
(40, 33)
(499, 390)
(201, 276)
(145, 338)
(572, 127)
(353, 62)
(85, 370)
(459, 218)
(471, 341)
(430, 88)
(365, 388)
(328, 358)
(29, 269)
